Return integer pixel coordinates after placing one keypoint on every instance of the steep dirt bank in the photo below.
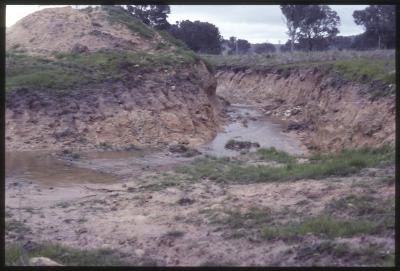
(110, 82)
(148, 113)
(326, 111)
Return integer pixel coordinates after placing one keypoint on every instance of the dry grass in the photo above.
(272, 59)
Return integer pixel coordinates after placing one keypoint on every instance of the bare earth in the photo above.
(178, 225)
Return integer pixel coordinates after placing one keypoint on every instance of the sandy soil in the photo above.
(175, 225)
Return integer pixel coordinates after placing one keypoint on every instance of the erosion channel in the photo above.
(124, 147)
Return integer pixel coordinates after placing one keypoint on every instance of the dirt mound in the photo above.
(67, 30)
(126, 85)
(328, 112)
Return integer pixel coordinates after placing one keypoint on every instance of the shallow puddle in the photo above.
(250, 124)
(48, 170)
(115, 154)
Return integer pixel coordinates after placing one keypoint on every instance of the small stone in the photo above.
(139, 252)
(43, 261)
(185, 201)
(81, 231)
(30, 245)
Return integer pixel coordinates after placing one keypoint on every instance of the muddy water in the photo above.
(249, 124)
(48, 170)
(103, 167)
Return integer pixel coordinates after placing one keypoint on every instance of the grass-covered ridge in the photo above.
(362, 66)
(319, 166)
(68, 71)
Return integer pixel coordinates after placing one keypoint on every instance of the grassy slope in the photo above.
(73, 70)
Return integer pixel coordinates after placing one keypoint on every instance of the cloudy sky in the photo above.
(255, 23)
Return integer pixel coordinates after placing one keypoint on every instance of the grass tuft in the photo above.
(324, 226)
(15, 254)
(272, 154)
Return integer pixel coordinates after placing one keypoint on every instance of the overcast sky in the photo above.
(255, 23)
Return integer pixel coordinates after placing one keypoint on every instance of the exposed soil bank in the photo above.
(171, 109)
(108, 81)
(326, 111)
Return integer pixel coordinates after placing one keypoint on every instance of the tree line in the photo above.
(309, 28)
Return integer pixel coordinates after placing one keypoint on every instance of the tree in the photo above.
(243, 46)
(294, 14)
(153, 15)
(319, 26)
(238, 46)
(264, 48)
(342, 42)
(201, 37)
(310, 25)
(379, 22)
(232, 45)
(364, 41)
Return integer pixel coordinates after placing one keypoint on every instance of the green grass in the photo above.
(364, 70)
(172, 40)
(272, 154)
(278, 59)
(323, 226)
(364, 67)
(160, 182)
(321, 166)
(208, 167)
(121, 16)
(15, 254)
(71, 71)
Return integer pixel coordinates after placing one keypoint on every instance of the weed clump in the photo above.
(324, 226)
(16, 254)
(273, 154)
